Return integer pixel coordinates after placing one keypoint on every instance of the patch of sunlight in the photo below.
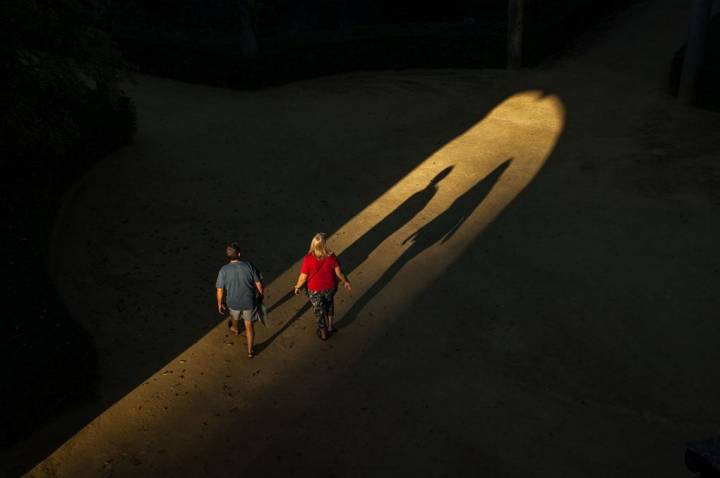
(398, 246)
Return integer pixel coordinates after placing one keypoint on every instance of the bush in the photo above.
(61, 73)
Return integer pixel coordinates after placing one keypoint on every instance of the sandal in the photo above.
(251, 354)
(322, 335)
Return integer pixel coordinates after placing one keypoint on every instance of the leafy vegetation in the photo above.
(61, 73)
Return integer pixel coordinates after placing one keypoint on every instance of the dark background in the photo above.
(200, 41)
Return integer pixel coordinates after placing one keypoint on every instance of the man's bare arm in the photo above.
(219, 296)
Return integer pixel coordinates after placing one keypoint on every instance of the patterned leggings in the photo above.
(323, 305)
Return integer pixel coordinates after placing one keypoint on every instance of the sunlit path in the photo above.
(506, 149)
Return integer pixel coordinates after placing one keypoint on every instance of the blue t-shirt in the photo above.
(238, 279)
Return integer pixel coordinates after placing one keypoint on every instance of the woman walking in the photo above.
(321, 271)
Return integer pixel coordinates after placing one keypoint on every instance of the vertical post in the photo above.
(249, 47)
(694, 48)
(515, 34)
(344, 19)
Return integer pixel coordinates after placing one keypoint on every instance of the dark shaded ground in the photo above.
(48, 358)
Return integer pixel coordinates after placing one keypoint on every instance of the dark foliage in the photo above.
(60, 109)
(551, 25)
(304, 38)
(60, 70)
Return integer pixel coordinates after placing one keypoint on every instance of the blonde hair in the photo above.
(318, 246)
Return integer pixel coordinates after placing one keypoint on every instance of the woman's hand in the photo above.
(343, 278)
(300, 282)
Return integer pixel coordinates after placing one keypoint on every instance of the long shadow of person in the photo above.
(298, 313)
(289, 295)
(440, 229)
(358, 251)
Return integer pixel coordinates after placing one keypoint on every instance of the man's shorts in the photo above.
(249, 314)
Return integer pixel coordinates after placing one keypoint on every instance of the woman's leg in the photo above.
(328, 320)
(330, 311)
(318, 304)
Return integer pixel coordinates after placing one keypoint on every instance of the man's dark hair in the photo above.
(235, 247)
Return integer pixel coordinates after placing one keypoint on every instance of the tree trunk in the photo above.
(515, 34)
(694, 48)
(249, 40)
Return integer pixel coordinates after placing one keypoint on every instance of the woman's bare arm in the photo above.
(343, 278)
(300, 281)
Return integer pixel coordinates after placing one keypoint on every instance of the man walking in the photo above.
(239, 283)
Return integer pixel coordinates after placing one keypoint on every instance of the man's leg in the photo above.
(249, 336)
(234, 321)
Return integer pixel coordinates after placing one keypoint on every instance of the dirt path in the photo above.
(545, 309)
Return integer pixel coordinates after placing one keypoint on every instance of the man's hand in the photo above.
(348, 287)
(219, 292)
